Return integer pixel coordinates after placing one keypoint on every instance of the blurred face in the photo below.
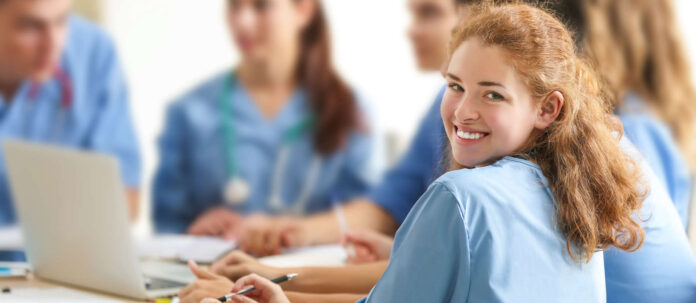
(487, 110)
(265, 28)
(431, 25)
(32, 34)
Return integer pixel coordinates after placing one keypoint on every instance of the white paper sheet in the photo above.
(53, 295)
(323, 255)
(184, 248)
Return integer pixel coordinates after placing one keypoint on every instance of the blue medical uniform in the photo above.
(663, 270)
(420, 165)
(98, 118)
(193, 172)
(655, 141)
(487, 235)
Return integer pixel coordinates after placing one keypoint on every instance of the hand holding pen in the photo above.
(255, 288)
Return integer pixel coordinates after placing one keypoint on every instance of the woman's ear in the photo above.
(550, 109)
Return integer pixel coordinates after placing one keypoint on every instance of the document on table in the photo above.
(203, 250)
(322, 255)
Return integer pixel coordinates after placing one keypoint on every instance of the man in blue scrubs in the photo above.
(61, 83)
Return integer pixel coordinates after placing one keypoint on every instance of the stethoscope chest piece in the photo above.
(236, 191)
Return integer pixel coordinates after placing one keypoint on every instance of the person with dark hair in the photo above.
(280, 133)
(61, 83)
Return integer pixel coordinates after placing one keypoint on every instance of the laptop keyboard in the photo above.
(156, 283)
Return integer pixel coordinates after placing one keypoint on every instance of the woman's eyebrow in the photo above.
(449, 75)
(489, 83)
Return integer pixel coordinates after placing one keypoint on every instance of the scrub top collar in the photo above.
(295, 108)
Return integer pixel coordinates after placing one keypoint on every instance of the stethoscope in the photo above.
(237, 190)
(66, 101)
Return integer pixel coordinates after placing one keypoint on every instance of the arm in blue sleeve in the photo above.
(408, 180)
(112, 126)
(430, 260)
(172, 211)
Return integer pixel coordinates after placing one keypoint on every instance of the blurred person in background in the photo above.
(61, 83)
(279, 134)
(637, 47)
(386, 205)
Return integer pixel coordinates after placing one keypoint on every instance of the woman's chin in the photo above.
(468, 162)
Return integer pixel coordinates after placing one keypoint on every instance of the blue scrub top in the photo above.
(487, 235)
(664, 260)
(655, 141)
(98, 118)
(420, 165)
(193, 171)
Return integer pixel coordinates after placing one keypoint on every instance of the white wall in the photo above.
(168, 46)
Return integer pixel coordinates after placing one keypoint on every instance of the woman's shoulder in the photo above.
(498, 188)
(506, 172)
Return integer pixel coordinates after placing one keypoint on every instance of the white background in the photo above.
(169, 46)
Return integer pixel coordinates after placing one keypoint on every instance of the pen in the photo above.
(278, 280)
(350, 250)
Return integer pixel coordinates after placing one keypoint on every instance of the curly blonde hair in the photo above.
(594, 182)
(636, 46)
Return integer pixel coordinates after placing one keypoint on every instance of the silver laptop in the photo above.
(72, 210)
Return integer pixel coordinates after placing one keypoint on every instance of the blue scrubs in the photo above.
(420, 165)
(487, 235)
(663, 270)
(655, 141)
(98, 118)
(193, 172)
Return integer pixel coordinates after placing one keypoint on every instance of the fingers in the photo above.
(290, 236)
(233, 258)
(273, 241)
(360, 236)
(210, 300)
(256, 237)
(209, 223)
(235, 272)
(186, 291)
(199, 272)
(262, 284)
(218, 221)
(362, 254)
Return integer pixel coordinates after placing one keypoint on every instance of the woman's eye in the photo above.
(494, 96)
(455, 87)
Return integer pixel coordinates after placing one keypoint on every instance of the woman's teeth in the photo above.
(469, 136)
